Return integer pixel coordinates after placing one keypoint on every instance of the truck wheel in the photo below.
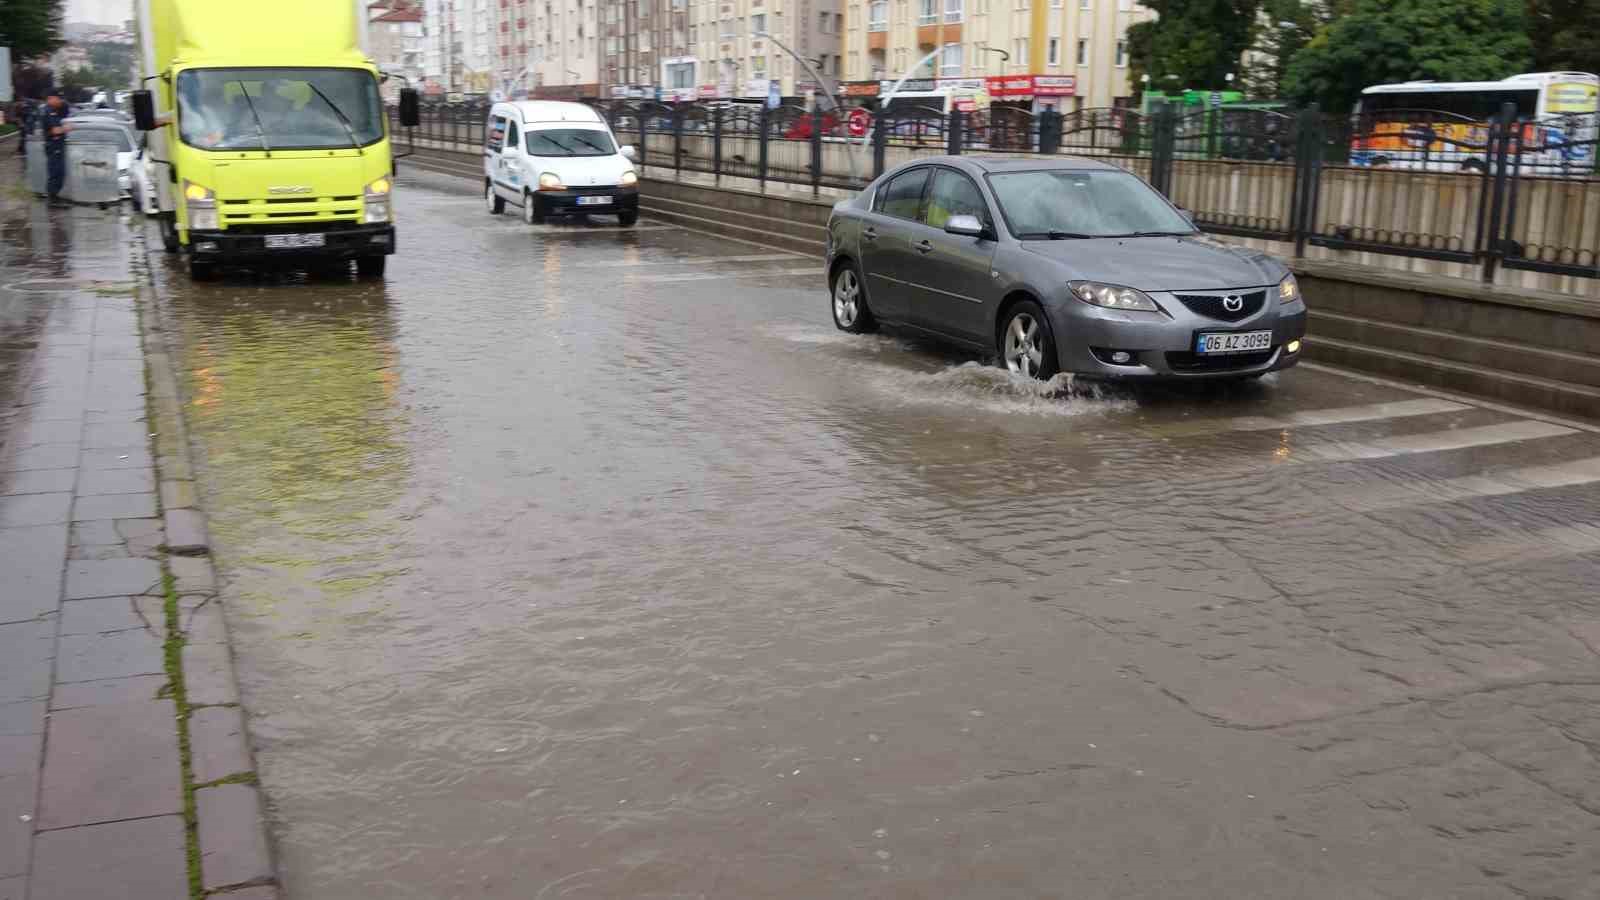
(371, 266)
(169, 233)
(200, 270)
(492, 201)
(626, 219)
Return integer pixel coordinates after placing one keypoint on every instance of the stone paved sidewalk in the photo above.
(92, 783)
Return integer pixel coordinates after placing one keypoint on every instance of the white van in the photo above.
(554, 158)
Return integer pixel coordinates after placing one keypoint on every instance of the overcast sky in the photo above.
(99, 12)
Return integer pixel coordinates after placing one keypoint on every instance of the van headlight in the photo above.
(549, 181)
(1112, 296)
(630, 178)
(376, 202)
(1288, 290)
(201, 206)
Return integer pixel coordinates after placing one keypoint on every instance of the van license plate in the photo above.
(1233, 342)
(596, 200)
(294, 241)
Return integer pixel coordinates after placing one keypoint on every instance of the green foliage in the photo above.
(30, 27)
(1191, 43)
(1566, 35)
(1384, 41)
(1282, 28)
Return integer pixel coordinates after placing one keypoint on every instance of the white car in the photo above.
(142, 190)
(553, 158)
(107, 130)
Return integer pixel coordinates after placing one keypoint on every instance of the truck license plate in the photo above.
(1233, 342)
(596, 200)
(294, 241)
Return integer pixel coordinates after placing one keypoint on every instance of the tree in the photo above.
(1566, 35)
(1282, 28)
(1198, 41)
(31, 28)
(1385, 41)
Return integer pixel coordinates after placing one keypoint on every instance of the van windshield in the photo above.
(570, 142)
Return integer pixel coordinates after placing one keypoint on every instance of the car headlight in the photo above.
(201, 202)
(1112, 296)
(549, 181)
(376, 201)
(1288, 290)
(630, 178)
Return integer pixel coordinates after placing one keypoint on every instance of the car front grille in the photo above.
(1185, 361)
(1215, 306)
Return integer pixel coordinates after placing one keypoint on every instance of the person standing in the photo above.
(54, 126)
(23, 112)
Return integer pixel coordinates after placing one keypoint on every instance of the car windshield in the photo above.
(278, 109)
(118, 138)
(1069, 203)
(570, 142)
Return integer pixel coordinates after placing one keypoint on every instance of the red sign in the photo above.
(1001, 86)
(708, 92)
(860, 120)
(1054, 85)
(861, 88)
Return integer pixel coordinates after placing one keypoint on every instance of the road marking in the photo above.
(1374, 498)
(722, 276)
(1333, 416)
(685, 261)
(1430, 442)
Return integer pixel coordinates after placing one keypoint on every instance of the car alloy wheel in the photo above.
(1026, 344)
(846, 298)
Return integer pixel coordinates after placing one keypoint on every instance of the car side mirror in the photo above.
(410, 107)
(144, 110)
(629, 153)
(966, 226)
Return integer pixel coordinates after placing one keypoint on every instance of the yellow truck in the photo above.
(267, 133)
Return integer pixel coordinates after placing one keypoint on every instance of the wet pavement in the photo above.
(583, 562)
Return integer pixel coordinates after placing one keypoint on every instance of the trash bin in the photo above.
(92, 174)
(38, 174)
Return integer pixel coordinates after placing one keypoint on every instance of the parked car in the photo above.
(551, 158)
(106, 130)
(142, 189)
(1060, 265)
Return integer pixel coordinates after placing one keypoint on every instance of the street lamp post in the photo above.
(821, 83)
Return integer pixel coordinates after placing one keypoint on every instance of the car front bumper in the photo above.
(1162, 344)
(560, 203)
(347, 242)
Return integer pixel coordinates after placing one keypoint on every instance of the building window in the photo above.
(1122, 54)
(1083, 4)
(930, 12)
(758, 22)
(950, 60)
(1054, 52)
(758, 67)
(1083, 52)
(838, 23)
(878, 16)
(822, 21)
(952, 10)
(680, 75)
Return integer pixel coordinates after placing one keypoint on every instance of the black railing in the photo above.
(1507, 192)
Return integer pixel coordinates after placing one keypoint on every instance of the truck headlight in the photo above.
(629, 178)
(377, 202)
(201, 203)
(549, 181)
(1112, 296)
(1288, 290)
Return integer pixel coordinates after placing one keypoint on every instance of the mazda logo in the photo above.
(1233, 304)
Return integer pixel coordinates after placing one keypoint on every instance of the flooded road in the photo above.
(590, 563)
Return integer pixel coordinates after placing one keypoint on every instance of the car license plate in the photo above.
(1233, 342)
(294, 241)
(596, 200)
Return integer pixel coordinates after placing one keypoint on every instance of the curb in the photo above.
(230, 841)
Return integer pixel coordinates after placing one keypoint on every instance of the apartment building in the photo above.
(1061, 54)
(394, 30)
(457, 51)
(548, 49)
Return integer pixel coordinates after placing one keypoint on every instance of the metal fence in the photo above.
(1507, 192)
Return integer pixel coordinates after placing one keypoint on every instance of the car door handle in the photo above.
(924, 246)
(871, 234)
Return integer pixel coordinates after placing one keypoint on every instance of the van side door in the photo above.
(494, 137)
(511, 179)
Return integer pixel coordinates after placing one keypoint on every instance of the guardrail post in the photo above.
(880, 142)
(816, 150)
(677, 142)
(952, 144)
(716, 144)
(1050, 131)
(761, 167)
(1499, 157)
(1307, 177)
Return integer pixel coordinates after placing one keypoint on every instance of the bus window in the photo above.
(1475, 105)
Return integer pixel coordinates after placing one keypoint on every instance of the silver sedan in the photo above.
(1058, 265)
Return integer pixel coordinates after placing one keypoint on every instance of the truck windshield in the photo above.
(570, 142)
(278, 109)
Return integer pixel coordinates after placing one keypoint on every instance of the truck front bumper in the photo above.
(345, 242)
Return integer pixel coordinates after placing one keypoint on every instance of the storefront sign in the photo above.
(1006, 86)
(912, 84)
(756, 88)
(1054, 85)
(709, 92)
(861, 88)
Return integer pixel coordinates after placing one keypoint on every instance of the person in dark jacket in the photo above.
(53, 125)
